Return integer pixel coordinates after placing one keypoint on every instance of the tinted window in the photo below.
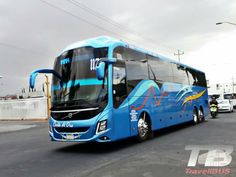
(180, 74)
(119, 83)
(159, 70)
(201, 79)
(118, 53)
(136, 65)
(192, 77)
(196, 78)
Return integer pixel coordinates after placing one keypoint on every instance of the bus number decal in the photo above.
(93, 63)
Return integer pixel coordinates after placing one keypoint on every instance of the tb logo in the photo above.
(216, 156)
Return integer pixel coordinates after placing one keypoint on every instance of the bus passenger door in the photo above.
(120, 111)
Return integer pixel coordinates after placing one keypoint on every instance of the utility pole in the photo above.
(48, 96)
(179, 53)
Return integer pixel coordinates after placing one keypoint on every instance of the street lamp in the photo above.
(220, 23)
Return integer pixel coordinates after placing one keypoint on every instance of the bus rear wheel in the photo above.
(195, 116)
(144, 128)
(201, 117)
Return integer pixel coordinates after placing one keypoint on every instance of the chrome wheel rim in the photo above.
(194, 116)
(142, 127)
(200, 115)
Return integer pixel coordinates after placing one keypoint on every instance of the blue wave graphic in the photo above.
(140, 89)
(184, 91)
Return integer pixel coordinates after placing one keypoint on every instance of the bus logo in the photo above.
(216, 156)
(65, 61)
(70, 115)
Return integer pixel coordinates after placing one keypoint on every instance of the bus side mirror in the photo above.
(34, 74)
(100, 71)
(32, 79)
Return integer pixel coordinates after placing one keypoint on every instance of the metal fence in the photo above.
(23, 109)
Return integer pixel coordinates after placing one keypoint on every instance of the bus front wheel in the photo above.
(144, 127)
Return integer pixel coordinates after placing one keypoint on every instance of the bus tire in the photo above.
(195, 116)
(201, 117)
(144, 127)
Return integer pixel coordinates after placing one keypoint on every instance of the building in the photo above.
(222, 90)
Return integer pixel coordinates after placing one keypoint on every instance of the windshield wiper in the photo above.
(87, 102)
(72, 89)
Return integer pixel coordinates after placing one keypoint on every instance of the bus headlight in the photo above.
(102, 126)
(50, 128)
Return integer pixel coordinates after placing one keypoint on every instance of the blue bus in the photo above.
(104, 89)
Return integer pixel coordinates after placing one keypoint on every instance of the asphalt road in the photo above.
(29, 153)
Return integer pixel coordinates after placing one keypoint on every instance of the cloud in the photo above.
(216, 57)
(33, 33)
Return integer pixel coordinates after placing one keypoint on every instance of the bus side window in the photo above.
(119, 83)
(197, 78)
(192, 77)
(180, 74)
(159, 70)
(137, 68)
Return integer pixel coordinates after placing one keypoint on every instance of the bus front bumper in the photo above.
(71, 137)
(83, 131)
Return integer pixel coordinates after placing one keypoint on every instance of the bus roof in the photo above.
(106, 41)
(101, 41)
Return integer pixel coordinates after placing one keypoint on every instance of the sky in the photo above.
(33, 32)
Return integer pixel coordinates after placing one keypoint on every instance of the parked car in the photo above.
(225, 106)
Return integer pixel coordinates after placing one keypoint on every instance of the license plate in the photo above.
(70, 136)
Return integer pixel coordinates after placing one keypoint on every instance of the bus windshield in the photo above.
(77, 68)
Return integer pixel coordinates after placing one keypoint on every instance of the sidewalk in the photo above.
(9, 126)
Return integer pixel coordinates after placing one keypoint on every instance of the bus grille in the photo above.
(84, 115)
(71, 129)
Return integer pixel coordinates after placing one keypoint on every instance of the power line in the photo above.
(99, 15)
(86, 21)
(114, 23)
(80, 18)
(95, 13)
